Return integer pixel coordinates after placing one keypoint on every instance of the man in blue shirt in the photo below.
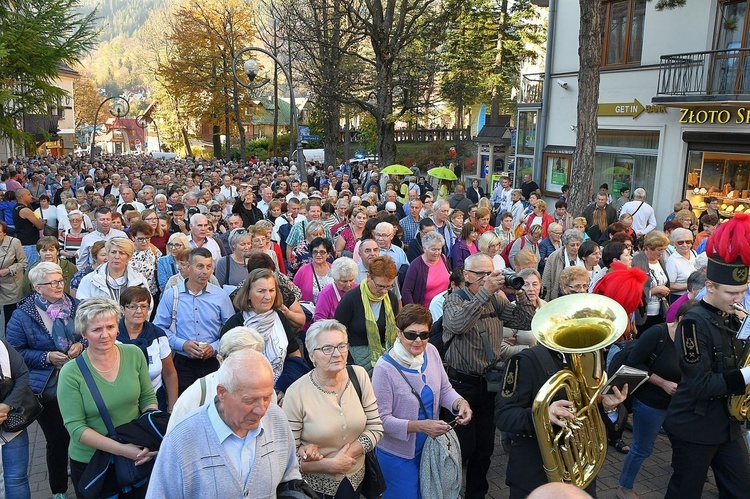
(193, 318)
(383, 235)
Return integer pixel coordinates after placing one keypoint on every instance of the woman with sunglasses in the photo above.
(135, 329)
(332, 456)
(411, 386)
(681, 263)
(231, 270)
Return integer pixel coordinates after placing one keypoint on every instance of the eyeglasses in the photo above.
(54, 284)
(578, 287)
(318, 252)
(413, 335)
(133, 307)
(381, 286)
(678, 243)
(174, 245)
(143, 239)
(481, 275)
(329, 349)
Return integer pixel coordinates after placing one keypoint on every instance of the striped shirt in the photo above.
(70, 242)
(466, 352)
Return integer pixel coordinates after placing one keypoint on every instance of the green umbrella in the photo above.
(397, 170)
(442, 172)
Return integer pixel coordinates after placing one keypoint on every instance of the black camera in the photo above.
(512, 279)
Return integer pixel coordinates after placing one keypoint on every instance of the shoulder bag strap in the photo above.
(97, 396)
(545, 360)
(202, 381)
(226, 269)
(636, 210)
(355, 383)
(659, 346)
(413, 391)
(175, 301)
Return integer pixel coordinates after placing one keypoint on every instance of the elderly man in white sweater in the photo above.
(239, 445)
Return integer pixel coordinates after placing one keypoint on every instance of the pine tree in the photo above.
(37, 36)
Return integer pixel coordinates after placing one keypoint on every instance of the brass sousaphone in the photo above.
(579, 326)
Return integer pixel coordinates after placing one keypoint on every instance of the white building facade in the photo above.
(674, 103)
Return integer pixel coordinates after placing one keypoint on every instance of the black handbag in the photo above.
(49, 393)
(129, 476)
(19, 418)
(373, 484)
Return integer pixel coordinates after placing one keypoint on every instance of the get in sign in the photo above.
(632, 109)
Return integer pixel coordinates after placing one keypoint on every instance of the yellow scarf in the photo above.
(371, 323)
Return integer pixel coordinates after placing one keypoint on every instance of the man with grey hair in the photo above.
(127, 196)
(114, 187)
(198, 237)
(383, 235)
(148, 197)
(237, 445)
(644, 220)
(441, 211)
(196, 395)
(160, 205)
(266, 196)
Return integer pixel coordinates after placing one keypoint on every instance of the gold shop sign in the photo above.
(735, 116)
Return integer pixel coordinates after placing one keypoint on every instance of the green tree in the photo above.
(38, 36)
(396, 63)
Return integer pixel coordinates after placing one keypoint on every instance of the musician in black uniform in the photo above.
(698, 422)
(525, 375)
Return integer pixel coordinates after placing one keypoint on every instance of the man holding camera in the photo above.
(473, 322)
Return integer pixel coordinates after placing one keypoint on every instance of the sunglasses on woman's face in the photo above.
(413, 335)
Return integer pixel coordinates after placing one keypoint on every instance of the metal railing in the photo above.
(716, 74)
(532, 86)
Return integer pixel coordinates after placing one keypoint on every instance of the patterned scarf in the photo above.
(63, 330)
(276, 342)
(371, 323)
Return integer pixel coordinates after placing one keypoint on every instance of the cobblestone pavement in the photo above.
(651, 483)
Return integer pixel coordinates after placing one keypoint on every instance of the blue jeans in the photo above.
(16, 467)
(646, 424)
(32, 255)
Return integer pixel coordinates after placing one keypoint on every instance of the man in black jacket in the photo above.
(701, 430)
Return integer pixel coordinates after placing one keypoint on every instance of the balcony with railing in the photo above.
(715, 76)
(532, 86)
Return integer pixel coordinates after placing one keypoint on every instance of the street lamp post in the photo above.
(143, 122)
(120, 108)
(250, 72)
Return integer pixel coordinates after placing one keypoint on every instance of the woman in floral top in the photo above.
(146, 254)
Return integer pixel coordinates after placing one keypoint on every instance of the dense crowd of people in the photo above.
(295, 329)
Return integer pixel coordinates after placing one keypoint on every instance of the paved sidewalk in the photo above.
(652, 479)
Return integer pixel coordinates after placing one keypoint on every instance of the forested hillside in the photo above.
(115, 64)
(121, 17)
